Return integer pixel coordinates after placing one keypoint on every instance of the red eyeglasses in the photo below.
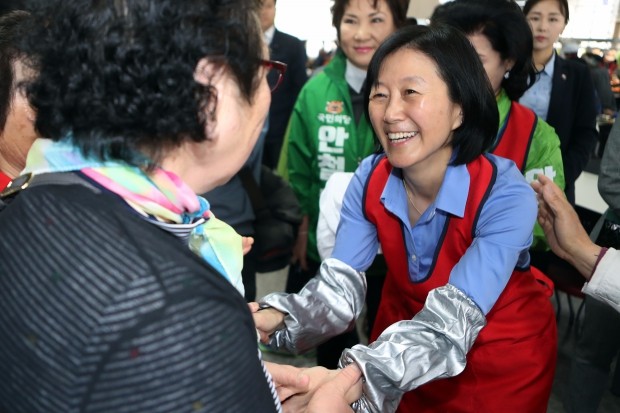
(275, 71)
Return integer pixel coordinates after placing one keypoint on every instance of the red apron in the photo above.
(516, 134)
(511, 366)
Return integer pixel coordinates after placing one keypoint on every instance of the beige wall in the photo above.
(421, 9)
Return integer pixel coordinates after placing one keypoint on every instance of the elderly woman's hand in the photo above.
(288, 380)
(267, 320)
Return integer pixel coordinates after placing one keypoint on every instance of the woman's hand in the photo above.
(288, 380)
(328, 391)
(267, 320)
(247, 243)
(337, 395)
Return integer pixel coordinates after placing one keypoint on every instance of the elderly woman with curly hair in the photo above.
(121, 290)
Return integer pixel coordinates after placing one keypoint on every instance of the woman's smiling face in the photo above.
(411, 111)
(363, 28)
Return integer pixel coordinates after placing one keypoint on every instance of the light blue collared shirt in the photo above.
(537, 97)
(503, 231)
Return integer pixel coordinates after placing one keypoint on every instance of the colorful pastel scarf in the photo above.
(160, 195)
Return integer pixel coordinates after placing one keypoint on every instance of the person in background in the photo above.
(327, 132)
(569, 240)
(500, 34)
(290, 50)
(121, 290)
(16, 115)
(563, 94)
(455, 225)
(610, 60)
(322, 59)
(606, 103)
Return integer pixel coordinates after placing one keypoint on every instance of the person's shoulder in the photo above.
(369, 163)
(338, 181)
(317, 85)
(509, 182)
(545, 131)
(505, 167)
(575, 66)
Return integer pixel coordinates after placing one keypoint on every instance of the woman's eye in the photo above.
(377, 95)
(377, 20)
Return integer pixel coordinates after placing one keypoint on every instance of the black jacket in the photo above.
(572, 113)
(292, 51)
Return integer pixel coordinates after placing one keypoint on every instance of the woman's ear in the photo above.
(457, 117)
(210, 75)
(206, 72)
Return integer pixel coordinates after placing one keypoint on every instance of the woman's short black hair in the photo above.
(397, 7)
(459, 67)
(562, 3)
(118, 75)
(11, 25)
(503, 23)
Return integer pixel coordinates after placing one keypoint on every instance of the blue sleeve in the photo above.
(356, 237)
(503, 235)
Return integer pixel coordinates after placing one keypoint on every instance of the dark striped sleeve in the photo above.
(103, 312)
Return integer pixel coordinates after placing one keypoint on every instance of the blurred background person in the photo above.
(606, 102)
(610, 60)
(16, 115)
(563, 94)
(290, 50)
(328, 133)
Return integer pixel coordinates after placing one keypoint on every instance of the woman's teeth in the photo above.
(401, 136)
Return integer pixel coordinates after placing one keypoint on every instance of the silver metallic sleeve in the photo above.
(432, 345)
(328, 305)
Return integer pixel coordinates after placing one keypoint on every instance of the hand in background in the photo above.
(266, 320)
(565, 234)
(288, 380)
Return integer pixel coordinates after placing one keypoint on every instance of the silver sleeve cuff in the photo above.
(432, 345)
(328, 305)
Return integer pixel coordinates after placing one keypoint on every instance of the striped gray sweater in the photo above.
(101, 311)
